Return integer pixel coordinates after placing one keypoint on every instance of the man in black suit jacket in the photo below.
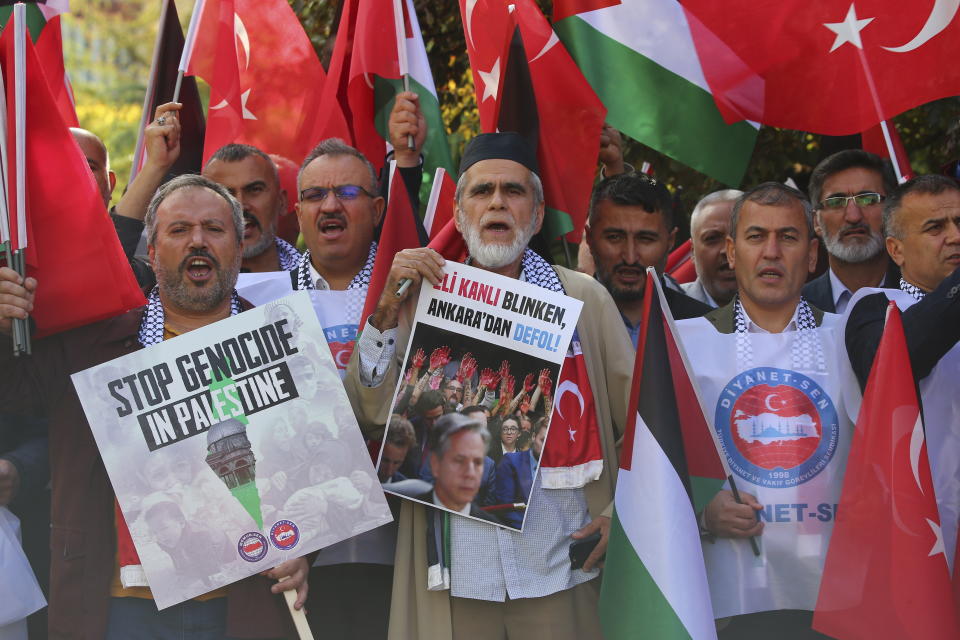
(458, 449)
(630, 228)
(847, 190)
(922, 223)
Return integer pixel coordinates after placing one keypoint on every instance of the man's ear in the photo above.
(671, 241)
(112, 179)
(379, 206)
(731, 254)
(895, 249)
(814, 253)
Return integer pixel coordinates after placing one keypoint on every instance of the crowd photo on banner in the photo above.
(408, 320)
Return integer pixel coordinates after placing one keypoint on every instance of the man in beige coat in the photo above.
(503, 584)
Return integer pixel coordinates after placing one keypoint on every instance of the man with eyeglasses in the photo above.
(848, 189)
(340, 204)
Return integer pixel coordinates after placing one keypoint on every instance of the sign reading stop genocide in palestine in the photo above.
(504, 340)
(231, 449)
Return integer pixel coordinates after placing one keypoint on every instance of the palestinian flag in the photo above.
(639, 56)
(527, 82)
(163, 78)
(655, 582)
(377, 43)
(43, 23)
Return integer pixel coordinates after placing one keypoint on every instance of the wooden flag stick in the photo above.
(299, 617)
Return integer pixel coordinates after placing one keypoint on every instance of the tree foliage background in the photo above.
(108, 47)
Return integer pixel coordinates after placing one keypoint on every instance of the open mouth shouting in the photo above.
(770, 274)
(250, 225)
(200, 267)
(331, 227)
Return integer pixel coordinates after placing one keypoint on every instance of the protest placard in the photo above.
(338, 311)
(231, 449)
(480, 338)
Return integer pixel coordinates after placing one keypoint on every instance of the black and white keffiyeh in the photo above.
(360, 281)
(151, 326)
(916, 292)
(536, 270)
(806, 350)
(288, 255)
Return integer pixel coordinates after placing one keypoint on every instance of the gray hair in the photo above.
(928, 184)
(536, 186)
(234, 152)
(724, 195)
(451, 424)
(187, 181)
(772, 194)
(849, 159)
(400, 433)
(337, 147)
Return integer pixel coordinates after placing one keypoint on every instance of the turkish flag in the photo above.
(886, 572)
(399, 232)
(829, 66)
(528, 83)
(440, 206)
(449, 243)
(72, 249)
(680, 263)
(873, 141)
(366, 49)
(265, 78)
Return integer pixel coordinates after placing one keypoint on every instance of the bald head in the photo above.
(98, 160)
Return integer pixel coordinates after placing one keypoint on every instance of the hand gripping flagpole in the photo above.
(402, 54)
(18, 260)
(188, 43)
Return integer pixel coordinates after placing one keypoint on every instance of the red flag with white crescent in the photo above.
(572, 455)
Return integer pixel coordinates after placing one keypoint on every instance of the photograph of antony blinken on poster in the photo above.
(473, 404)
(231, 449)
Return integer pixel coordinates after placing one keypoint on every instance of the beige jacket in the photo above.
(418, 614)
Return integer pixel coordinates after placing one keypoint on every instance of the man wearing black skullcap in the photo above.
(502, 583)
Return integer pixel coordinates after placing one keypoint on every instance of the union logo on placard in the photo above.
(778, 428)
(252, 546)
(284, 535)
(341, 340)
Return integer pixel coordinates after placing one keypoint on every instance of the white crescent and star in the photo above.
(491, 81)
(568, 386)
(916, 449)
(938, 546)
(240, 31)
(767, 401)
(848, 30)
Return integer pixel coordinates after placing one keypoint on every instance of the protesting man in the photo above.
(502, 582)
(194, 230)
(252, 178)
(847, 190)
(921, 219)
(771, 371)
(716, 284)
(630, 228)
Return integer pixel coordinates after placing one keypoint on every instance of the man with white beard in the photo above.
(501, 583)
(847, 190)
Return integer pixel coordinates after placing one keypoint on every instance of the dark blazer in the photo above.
(819, 291)
(475, 511)
(683, 306)
(83, 536)
(931, 327)
(514, 482)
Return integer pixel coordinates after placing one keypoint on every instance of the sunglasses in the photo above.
(861, 199)
(343, 192)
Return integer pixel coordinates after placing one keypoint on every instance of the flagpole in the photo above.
(402, 54)
(20, 107)
(883, 121)
(188, 43)
(6, 240)
(148, 97)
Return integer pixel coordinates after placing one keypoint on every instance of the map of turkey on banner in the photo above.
(231, 449)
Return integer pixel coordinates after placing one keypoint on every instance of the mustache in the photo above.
(248, 217)
(856, 226)
(333, 215)
(199, 253)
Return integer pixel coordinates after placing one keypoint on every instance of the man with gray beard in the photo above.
(502, 583)
(847, 190)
